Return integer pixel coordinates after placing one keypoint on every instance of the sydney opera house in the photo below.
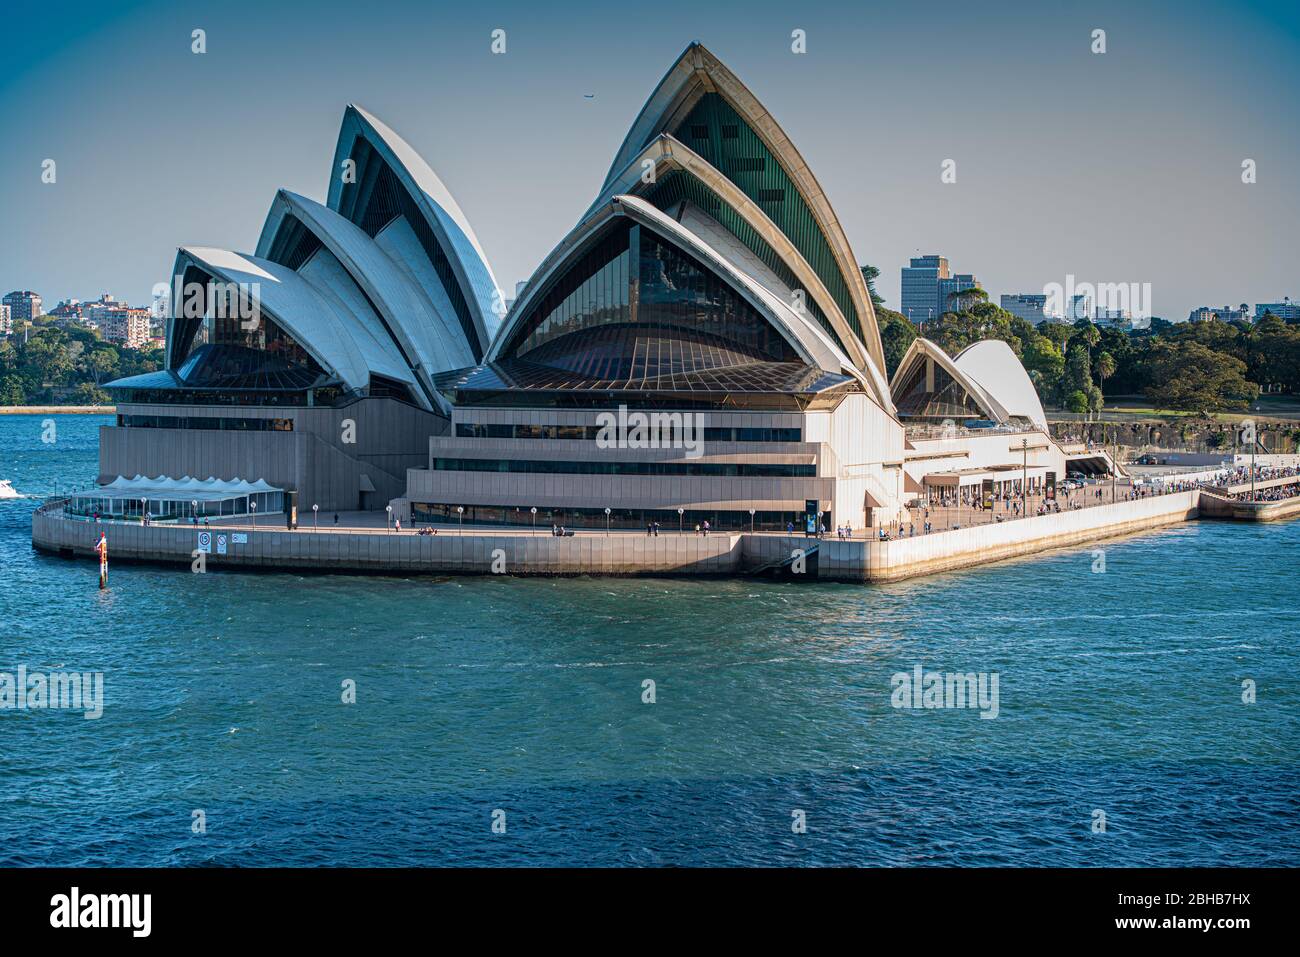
(701, 346)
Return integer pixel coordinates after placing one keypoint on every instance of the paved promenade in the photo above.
(358, 548)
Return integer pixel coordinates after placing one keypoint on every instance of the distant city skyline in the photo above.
(1118, 167)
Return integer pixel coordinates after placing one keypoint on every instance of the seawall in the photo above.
(513, 553)
(1218, 506)
(481, 553)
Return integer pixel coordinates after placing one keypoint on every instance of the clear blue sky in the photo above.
(1117, 167)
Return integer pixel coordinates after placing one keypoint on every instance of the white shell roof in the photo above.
(441, 210)
(995, 367)
(697, 71)
(340, 340)
(431, 340)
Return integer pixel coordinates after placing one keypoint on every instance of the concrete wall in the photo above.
(389, 437)
(856, 447)
(1218, 506)
(406, 553)
(596, 554)
(971, 449)
(905, 558)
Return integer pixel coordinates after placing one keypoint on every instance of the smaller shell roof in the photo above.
(995, 367)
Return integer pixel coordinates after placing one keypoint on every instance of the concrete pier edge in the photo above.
(718, 554)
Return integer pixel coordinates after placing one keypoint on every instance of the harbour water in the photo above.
(1120, 691)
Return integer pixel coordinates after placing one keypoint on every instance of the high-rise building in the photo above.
(23, 305)
(919, 299)
(1286, 310)
(928, 286)
(1032, 307)
(1224, 313)
(949, 287)
(127, 326)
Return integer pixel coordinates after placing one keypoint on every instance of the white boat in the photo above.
(7, 489)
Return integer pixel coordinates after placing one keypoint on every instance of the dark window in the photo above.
(551, 467)
(636, 307)
(205, 423)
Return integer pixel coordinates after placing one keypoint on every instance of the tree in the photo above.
(1058, 332)
(1076, 401)
(12, 391)
(87, 393)
(1105, 368)
(1190, 376)
(1046, 365)
(897, 333)
(871, 274)
(101, 364)
(1086, 332)
(1078, 372)
(963, 299)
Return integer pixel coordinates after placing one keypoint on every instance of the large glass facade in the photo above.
(282, 366)
(475, 430)
(720, 134)
(668, 520)
(948, 399)
(679, 187)
(698, 469)
(637, 307)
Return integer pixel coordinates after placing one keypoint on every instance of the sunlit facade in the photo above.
(700, 348)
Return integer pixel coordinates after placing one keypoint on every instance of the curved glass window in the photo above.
(679, 187)
(230, 366)
(636, 306)
(720, 134)
(946, 399)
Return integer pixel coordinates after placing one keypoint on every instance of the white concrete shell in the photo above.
(995, 367)
(666, 154)
(696, 72)
(922, 350)
(342, 342)
(803, 333)
(440, 211)
(428, 339)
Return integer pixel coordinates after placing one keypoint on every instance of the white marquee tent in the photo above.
(164, 498)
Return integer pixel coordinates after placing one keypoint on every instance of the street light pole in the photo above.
(1024, 480)
(389, 519)
(1114, 474)
(606, 521)
(534, 511)
(680, 529)
(751, 521)
(460, 510)
(315, 525)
